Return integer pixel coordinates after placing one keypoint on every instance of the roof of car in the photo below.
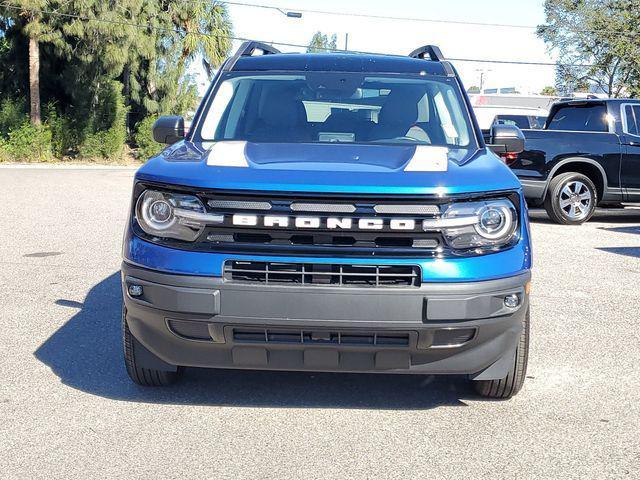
(342, 62)
(580, 101)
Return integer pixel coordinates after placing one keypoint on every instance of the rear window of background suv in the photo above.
(580, 118)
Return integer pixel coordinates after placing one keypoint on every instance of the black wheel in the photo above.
(511, 384)
(571, 199)
(147, 377)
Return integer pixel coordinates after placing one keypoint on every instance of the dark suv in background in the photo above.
(588, 154)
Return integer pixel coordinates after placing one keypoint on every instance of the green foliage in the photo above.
(80, 58)
(200, 16)
(106, 132)
(143, 138)
(27, 143)
(20, 141)
(597, 42)
(12, 115)
(473, 89)
(320, 43)
(64, 133)
(5, 46)
(549, 91)
(174, 95)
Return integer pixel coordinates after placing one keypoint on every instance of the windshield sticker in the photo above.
(428, 159)
(228, 154)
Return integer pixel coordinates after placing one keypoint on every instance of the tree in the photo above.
(77, 47)
(203, 29)
(320, 43)
(26, 17)
(549, 91)
(595, 42)
(473, 89)
(189, 30)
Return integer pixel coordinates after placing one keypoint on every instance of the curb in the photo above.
(59, 166)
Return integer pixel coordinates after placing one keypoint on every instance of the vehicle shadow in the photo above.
(603, 215)
(635, 229)
(86, 354)
(627, 251)
(538, 215)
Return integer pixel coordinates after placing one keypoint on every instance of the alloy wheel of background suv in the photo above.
(571, 199)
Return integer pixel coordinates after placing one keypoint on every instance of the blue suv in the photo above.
(329, 212)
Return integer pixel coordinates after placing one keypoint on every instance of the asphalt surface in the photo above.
(68, 409)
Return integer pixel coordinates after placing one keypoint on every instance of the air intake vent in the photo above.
(430, 210)
(295, 336)
(189, 329)
(311, 274)
(239, 205)
(452, 337)
(323, 207)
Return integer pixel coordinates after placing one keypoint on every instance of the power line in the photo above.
(149, 26)
(381, 17)
(418, 19)
(516, 62)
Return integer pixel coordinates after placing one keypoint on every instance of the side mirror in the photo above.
(506, 139)
(168, 129)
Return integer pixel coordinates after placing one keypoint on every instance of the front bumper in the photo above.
(533, 189)
(440, 328)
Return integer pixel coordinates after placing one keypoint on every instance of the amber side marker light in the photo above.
(509, 158)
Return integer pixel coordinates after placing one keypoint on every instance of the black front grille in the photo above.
(329, 337)
(322, 274)
(306, 239)
(225, 236)
(279, 238)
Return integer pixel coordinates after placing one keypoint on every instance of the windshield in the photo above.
(317, 107)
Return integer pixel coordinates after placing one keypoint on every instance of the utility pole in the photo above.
(346, 42)
(483, 72)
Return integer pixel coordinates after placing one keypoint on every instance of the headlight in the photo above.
(172, 215)
(491, 223)
(495, 221)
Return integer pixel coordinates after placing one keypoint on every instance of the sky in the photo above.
(402, 36)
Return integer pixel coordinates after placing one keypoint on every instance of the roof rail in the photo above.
(434, 53)
(247, 49)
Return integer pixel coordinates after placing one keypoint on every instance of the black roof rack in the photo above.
(247, 49)
(432, 51)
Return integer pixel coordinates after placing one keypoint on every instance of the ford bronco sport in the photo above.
(329, 212)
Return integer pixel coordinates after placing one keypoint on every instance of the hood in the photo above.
(329, 168)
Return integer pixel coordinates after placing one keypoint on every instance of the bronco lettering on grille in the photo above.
(329, 223)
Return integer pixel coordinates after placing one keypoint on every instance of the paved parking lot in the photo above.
(67, 408)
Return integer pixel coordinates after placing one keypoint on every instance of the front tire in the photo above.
(571, 199)
(511, 384)
(147, 377)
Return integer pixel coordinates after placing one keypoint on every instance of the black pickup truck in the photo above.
(588, 154)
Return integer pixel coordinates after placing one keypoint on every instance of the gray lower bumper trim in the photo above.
(417, 314)
(206, 296)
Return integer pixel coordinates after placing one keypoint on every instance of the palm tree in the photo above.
(204, 30)
(32, 29)
(37, 29)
